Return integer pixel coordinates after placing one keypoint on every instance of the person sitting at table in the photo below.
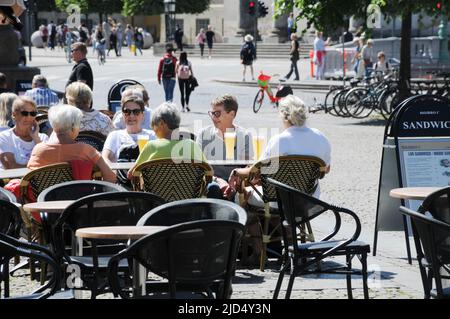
(296, 139)
(211, 139)
(17, 143)
(80, 95)
(62, 146)
(165, 120)
(139, 90)
(6, 102)
(133, 109)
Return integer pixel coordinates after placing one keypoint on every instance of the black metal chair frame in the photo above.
(166, 266)
(431, 238)
(268, 168)
(93, 138)
(93, 270)
(305, 255)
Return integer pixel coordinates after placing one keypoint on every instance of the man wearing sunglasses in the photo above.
(81, 71)
(211, 138)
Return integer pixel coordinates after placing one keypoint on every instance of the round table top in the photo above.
(57, 206)
(117, 232)
(418, 193)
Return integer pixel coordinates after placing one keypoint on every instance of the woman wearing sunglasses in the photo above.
(133, 114)
(17, 143)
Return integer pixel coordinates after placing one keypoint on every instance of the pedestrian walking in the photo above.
(201, 39)
(248, 54)
(295, 56)
(366, 54)
(178, 36)
(106, 27)
(81, 71)
(129, 34)
(290, 24)
(319, 54)
(119, 34)
(184, 73)
(113, 42)
(138, 39)
(52, 33)
(166, 73)
(210, 40)
(43, 31)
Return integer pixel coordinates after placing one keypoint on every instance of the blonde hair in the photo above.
(6, 103)
(20, 102)
(292, 110)
(81, 94)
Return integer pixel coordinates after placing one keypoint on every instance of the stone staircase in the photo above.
(264, 51)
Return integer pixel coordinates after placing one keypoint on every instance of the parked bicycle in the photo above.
(264, 87)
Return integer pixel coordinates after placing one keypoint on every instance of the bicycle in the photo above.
(263, 84)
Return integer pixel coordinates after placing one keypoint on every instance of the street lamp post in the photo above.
(443, 39)
(169, 11)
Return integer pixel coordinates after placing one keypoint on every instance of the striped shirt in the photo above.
(43, 96)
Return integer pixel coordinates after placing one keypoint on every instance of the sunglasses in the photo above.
(127, 112)
(26, 113)
(216, 114)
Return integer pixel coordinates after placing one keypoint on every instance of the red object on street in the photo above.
(311, 63)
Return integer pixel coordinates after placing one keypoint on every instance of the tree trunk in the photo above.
(405, 56)
(100, 17)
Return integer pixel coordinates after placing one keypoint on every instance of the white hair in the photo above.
(64, 118)
(292, 109)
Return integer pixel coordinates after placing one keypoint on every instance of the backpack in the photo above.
(127, 154)
(184, 71)
(168, 68)
(247, 52)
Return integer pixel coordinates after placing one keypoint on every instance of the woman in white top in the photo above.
(132, 108)
(17, 143)
(6, 102)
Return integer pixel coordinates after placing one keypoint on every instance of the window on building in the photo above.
(201, 23)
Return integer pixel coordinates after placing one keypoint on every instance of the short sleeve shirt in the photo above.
(96, 121)
(82, 71)
(11, 143)
(116, 140)
(210, 36)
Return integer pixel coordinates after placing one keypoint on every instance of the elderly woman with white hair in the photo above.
(62, 146)
(6, 102)
(17, 143)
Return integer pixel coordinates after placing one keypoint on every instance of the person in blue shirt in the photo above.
(40, 93)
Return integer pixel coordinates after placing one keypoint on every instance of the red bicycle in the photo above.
(263, 83)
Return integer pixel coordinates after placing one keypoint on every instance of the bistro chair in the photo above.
(183, 135)
(93, 138)
(44, 124)
(127, 154)
(172, 181)
(109, 113)
(104, 209)
(191, 257)
(301, 172)
(11, 247)
(431, 238)
(7, 195)
(297, 208)
(42, 109)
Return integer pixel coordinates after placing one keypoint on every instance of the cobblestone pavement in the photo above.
(352, 182)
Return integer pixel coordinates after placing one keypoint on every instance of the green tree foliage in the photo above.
(331, 14)
(45, 5)
(152, 7)
(63, 4)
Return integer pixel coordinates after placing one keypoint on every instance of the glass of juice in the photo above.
(259, 143)
(142, 141)
(230, 140)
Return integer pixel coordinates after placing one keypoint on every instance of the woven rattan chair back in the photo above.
(44, 177)
(93, 138)
(172, 181)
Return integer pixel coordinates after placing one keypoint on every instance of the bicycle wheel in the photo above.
(359, 103)
(329, 98)
(257, 103)
(338, 103)
(389, 101)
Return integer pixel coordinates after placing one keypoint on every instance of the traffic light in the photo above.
(438, 6)
(251, 8)
(262, 9)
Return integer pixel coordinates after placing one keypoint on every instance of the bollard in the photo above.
(311, 65)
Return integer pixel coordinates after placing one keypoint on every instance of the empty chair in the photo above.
(93, 138)
(105, 209)
(296, 208)
(7, 195)
(193, 209)
(191, 256)
(11, 247)
(432, 241)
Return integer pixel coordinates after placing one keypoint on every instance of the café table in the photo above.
(57, 206)
(14, 173)
(123, 233)
(411, 193)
